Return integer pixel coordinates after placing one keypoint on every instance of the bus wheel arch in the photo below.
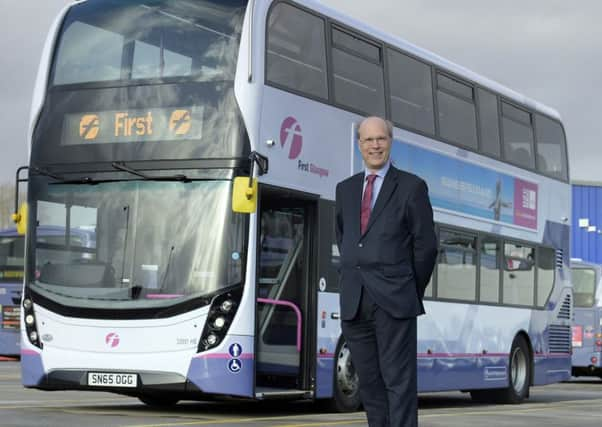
(520, 375)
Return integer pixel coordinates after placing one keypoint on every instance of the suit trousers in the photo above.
(383, 350)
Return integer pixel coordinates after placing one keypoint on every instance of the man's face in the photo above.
(375, 143)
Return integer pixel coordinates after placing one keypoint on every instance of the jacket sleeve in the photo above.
(422, 228)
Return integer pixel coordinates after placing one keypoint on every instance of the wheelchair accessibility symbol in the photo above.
(234, 365)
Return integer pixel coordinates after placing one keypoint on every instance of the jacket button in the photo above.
(361, 245)
(357, 267)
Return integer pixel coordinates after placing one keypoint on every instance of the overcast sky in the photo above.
(548, 50)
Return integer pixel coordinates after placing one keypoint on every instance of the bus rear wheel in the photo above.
(519, 378)
(346, 393)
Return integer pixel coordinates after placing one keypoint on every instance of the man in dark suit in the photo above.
(388, 247)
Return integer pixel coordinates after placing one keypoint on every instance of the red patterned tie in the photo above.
(367, 203)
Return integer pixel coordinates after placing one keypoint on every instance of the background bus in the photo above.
(139, 138)
(12, 253)
(587, 328)
(12, 264)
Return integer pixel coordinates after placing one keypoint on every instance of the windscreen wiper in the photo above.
(122, 167)
(62, 179)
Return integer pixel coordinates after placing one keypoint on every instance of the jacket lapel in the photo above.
(387, 189)
(356, 200)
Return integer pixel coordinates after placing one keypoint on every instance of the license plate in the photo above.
(108, 379)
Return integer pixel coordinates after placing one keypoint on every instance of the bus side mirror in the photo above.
(244, 196)
(20, 219)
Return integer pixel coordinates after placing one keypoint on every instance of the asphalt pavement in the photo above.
(577, 403)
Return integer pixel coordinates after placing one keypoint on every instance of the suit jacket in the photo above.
(394, 259)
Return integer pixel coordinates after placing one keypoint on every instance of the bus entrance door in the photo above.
(283, 297)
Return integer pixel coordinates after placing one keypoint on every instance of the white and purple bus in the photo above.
(587, 327)
(144, 114)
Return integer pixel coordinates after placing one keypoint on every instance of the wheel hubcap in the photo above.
(347, 378)
(518, 370)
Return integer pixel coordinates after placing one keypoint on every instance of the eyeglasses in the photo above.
(370, 141)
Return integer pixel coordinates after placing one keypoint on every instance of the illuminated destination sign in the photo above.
(120, 126)
(10, 274)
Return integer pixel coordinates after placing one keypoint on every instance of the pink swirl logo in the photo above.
(290, 134)
(112, 339)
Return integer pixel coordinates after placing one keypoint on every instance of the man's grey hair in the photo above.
(387, 123)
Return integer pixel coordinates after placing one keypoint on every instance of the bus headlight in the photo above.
(220, 317)
(219, 323)
(31, 329)
(30, 320)
(227, 306)
(211, 339)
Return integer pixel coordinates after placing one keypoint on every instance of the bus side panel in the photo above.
(228, 369)
(32, 369)
(469, 372)
(466, 346)
(329, 331)
(550, 334)
(551, 368)
(598, 333)
(298, 159)
(10, 299)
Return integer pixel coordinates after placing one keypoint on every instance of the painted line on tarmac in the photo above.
(507, 411)
(11, 377)
(237, 421)
(332, 423)
(20, 404)
(203, 423)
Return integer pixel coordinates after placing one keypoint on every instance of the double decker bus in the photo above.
(144, 118)
(12, 253)
(587, 328)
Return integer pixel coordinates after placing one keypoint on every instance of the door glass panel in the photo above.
(282, 281)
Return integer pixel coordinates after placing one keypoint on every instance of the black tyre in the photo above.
(519, 378)
(158, 400)
(346, 390)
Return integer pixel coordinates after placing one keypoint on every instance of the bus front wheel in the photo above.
(346, 393)
(519, 377)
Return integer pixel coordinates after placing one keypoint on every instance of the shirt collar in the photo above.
(381, 172)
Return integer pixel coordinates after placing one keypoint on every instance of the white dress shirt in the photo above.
(378, 181)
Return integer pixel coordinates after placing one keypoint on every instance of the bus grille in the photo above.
(559, 337)
(565, 309)
(559, 258)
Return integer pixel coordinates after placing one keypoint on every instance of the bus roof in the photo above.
(431, 57)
